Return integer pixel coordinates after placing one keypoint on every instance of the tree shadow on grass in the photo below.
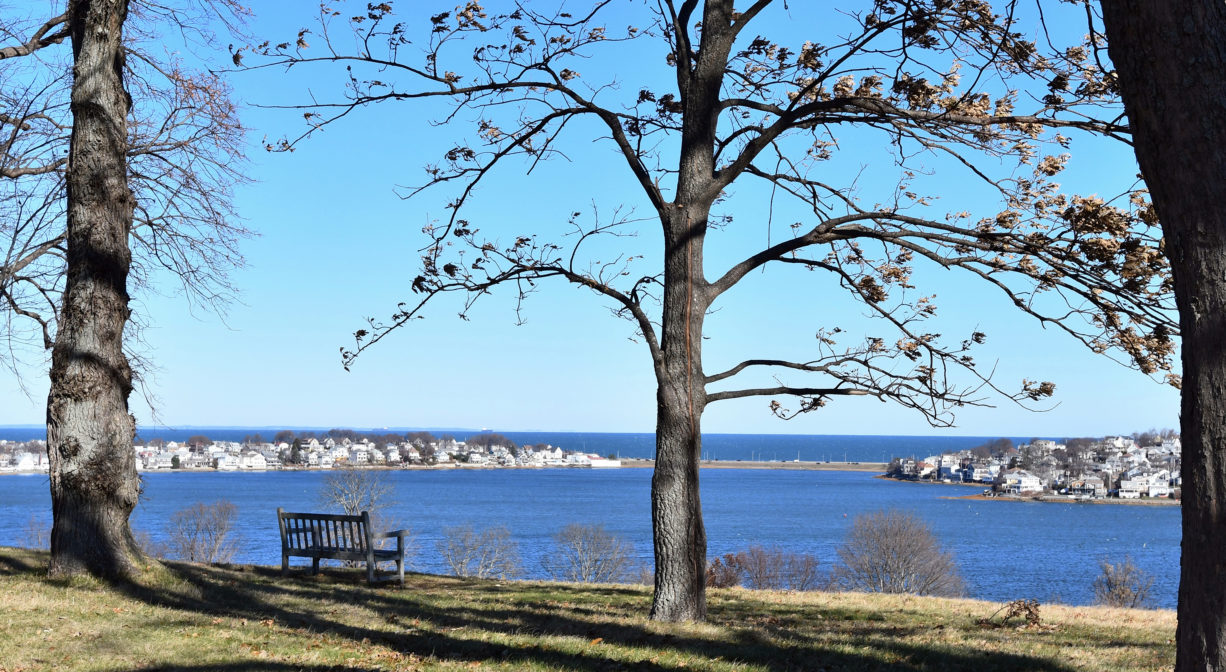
(246, 666)
(12, 563)
(604, 628)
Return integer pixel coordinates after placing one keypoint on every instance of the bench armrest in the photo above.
(394, 533)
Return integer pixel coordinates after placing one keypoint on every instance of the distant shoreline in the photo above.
(627, 463)
(1057, 499)
(783, 466)
(1040, 499)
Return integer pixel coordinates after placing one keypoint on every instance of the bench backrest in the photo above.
(307, 531)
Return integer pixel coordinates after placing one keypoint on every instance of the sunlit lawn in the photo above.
(192, 617)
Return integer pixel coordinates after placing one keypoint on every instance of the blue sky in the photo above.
(337, 244)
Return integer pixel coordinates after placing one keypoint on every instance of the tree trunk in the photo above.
(94, 485)
(676, 509)
(680, 540)
(1171, 60)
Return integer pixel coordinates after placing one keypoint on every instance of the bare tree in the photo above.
(204, 532)
(488, 554)
(184, 154)
(353, 490)
(94, 485)
(589, 554)
(1172, 76)
(895, 552)
(83, 180)
(1123, 584)
(957, 84)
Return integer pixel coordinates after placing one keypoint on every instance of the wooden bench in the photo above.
(336, 537)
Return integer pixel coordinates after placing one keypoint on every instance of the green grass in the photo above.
(204, 618)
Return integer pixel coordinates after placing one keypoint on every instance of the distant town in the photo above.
(328, 450)
(1142, 466)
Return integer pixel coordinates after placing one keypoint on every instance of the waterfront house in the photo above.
(475, 457)
(1089, 486)
(1020, 481)
(907, 466)
(949, 467)
(197, 461)
(163, 460)
(253, 461)
(599, 462)
(578, 459)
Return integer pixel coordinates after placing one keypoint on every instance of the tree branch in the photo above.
(786, 390)
(39, 39)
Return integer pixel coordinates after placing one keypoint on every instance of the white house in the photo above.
(578, 460)
(1020, 481)
(252, 461)
(599, 462)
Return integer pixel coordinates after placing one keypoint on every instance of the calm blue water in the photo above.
(784, 447)
(1006, 550)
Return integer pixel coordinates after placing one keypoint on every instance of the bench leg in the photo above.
(370, 572)
(400, 569)
(284, 565)
(314, 565)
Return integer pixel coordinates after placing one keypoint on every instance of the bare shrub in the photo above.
(1123, 584)
(764, 569)
(724, 572)
(487, 554)
(151, 547)
(204, 533)
(589, 554)
(777, 569)
(895, 552)
(36, 533)
(643, 575)
(354, 490)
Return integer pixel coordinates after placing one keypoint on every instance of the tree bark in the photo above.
(1171, 62)
(680, 540)
(94, 485)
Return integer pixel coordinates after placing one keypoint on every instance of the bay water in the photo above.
(1005, 550)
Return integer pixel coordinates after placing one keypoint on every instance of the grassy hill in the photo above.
(223, 619)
